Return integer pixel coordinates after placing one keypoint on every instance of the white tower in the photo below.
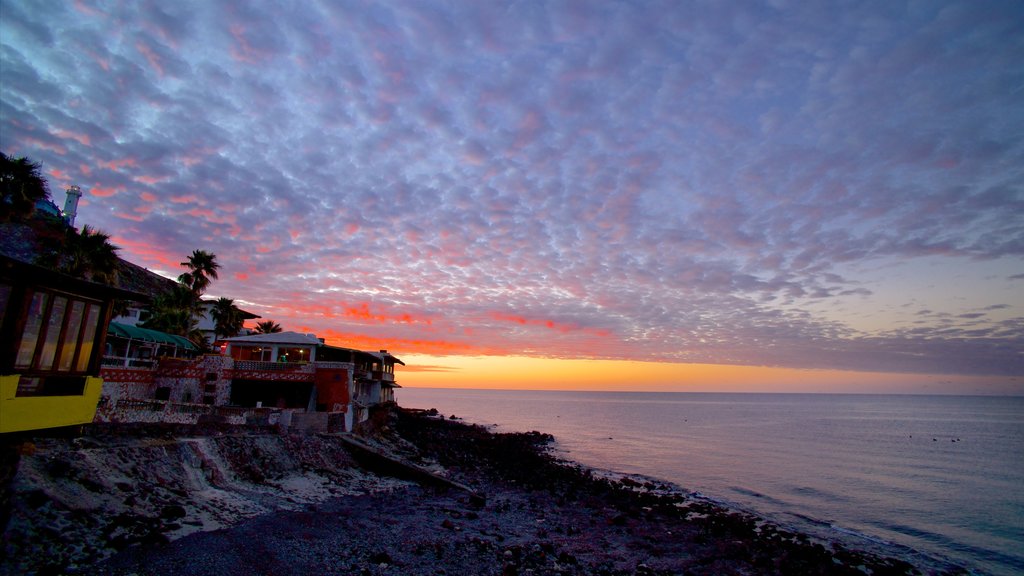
(71, 204)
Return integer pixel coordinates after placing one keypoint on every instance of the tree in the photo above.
(89, 255)
(176, 311)
(227, 318)
(202, 270)
(267, 327)
(21, 186)
(172, 312)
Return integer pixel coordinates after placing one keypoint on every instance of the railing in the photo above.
(261, 366)
(320, 364)
(117, 362)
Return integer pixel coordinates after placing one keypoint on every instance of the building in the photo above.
(52, 335)
(132, 316)
(286, 378)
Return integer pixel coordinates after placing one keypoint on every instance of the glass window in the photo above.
(52, 337)
(70, 341)
(92, 318)
(293, 355)
(5, 297)
(30, 335)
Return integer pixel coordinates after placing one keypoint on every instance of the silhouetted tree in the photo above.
(267, 327)
(21, 186)
(202, 270)
(89, 254)
(172, 312)
(227, 318)
(177, 311)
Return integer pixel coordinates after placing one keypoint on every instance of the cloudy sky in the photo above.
(834, 185)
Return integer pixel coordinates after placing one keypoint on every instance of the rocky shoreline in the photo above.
(122, 502)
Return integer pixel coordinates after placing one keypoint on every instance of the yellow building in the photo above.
(52, 331)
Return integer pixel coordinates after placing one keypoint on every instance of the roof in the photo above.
(20, 272)
(293, 338)
(383, 356)
(147, 335)
(25, 241)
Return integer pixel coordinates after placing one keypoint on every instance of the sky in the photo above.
(596, 194)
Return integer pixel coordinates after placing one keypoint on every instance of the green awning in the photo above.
(147, 335)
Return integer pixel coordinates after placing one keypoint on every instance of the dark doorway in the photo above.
(271, 394)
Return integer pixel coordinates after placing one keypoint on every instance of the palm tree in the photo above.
(172, 312)
(267, 327)
(202, 270)
(89, 255)
(227, 318)
(21, 186)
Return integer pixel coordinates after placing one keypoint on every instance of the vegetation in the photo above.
(267, 327)
(202, 270)
(21, 186)
(173, 312)
(89, 255)
(227, 317)
(177, 311)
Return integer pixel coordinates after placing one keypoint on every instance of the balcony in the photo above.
(262, 366)
(382, 376)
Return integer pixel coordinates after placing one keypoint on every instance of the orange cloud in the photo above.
(36, 142)
(242, 51)
(362, 312)
(397, 345)
(151, 57)
(102, 192)
(118, 164)
(80, 138)
(149, 179)
(152, 256)
(201, 212)
(550, 324)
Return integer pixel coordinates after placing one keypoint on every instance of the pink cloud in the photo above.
(151, 57)
(104, 192)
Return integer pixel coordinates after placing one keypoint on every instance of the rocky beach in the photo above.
(414, 493)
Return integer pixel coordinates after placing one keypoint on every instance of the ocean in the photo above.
(938, 480)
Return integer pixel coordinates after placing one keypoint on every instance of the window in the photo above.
(30, 335)
(59, 334)
(72, 334)
(5, 297)
(92, 319)
(292, 354)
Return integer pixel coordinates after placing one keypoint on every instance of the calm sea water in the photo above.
(934, 479)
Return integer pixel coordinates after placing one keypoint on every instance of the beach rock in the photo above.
(296, 506)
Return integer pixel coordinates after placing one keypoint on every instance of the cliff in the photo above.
(75, 501)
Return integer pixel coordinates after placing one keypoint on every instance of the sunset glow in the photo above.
(515, 372)
(650, 196)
